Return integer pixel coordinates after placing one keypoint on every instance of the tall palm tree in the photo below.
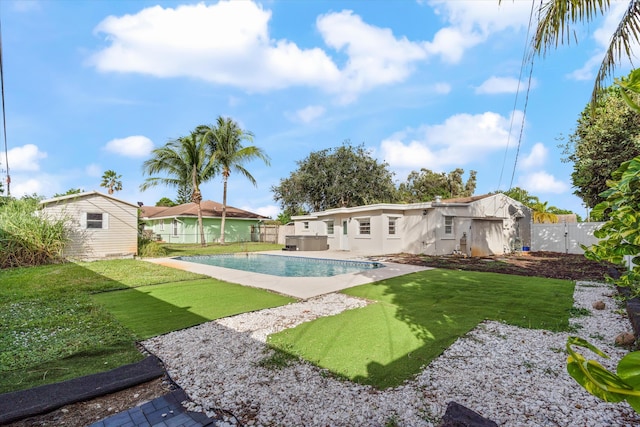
(111, 181)
(555, 28)
(225, 141)
(185, 162)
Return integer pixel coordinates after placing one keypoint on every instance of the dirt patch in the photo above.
(86, 413)
(542, 264)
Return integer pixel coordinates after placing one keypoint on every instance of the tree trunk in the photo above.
(224, 206)
(196, 197)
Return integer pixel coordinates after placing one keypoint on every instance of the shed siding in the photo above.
(118, 239)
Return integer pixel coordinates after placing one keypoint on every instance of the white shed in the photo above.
(100, 225)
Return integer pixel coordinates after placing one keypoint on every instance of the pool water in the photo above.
(284, 266)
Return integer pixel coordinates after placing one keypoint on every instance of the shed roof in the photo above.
(73, 197)
(209, 208)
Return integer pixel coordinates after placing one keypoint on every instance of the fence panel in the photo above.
(564, 237)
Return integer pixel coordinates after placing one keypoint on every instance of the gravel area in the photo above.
(513, 376)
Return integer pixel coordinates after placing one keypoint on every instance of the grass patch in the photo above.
(53, 329)
(153, 310)
(176, 249)
(417, 316)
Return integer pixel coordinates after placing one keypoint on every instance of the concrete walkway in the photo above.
(298, 287)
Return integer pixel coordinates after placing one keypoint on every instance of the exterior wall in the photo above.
(117, 238)
(489, 226)
(565, 237)
(235, 230)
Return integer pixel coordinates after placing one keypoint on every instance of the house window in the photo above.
(305, 225)
(392, 225)
(162, 225)
(94, 220)
(365, 225)
(175, 227)
(330, 227)
(448, 225)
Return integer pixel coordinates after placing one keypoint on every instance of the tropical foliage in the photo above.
(69, 192)
(27, 238)
(607, 134)
(229, 154)
(182, 162)
(111, 181)
(555, 27)
(344, 176)
(426, 185)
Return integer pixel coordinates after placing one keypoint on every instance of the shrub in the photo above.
(27, 238)
(150, 248)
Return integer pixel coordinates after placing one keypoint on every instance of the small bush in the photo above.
(148, 248)
(27, 238)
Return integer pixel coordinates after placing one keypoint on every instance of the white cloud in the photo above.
(495, 85)
(223, 43)
(94, 170)
(459, 140)
(310, 113)
(270, 211)
(131, 146)
(25, 158)
(27, 186)
(536, 157)
(472, 22)
(542, 182)
(442, 88)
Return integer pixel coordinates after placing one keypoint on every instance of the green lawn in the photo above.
(154, 310)
(416, 317)
(53, 328)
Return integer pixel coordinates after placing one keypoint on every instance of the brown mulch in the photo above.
(542, 264)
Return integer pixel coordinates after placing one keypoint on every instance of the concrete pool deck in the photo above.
(299, 287)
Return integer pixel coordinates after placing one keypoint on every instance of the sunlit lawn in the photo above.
(416, 317)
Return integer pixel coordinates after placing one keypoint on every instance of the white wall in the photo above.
(565, 237)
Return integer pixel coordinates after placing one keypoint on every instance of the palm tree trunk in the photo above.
(224, 207)
(197, 198)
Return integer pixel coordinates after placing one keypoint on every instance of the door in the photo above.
(344, 240)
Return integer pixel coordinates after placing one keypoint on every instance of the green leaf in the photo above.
(629, 369)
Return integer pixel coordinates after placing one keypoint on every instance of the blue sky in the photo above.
(96, 85)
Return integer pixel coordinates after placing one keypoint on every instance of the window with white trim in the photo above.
(305, 225)
(448, 225)
(330, 227)
(162, 225)
(364, 225)
(94, 220)
(175, 227)
(392, 225)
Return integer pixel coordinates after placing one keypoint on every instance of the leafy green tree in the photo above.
(521, 195)
(183, 193)
(165, 201)
(607, 134)
(183, 160)
(111, 181)
(69, 192)
(344, 176)
(426, 185)
(555, 27)
(542, 213)
(225, 141)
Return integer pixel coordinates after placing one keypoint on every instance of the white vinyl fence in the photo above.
(563, 237)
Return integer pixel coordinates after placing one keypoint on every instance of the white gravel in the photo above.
(513, 376)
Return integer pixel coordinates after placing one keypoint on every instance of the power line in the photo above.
(4, 117)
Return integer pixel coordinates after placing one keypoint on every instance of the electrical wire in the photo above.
(4, 118)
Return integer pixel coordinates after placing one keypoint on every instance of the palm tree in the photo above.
(111, 180)
(543, 213)
(557, 17)
(225, 141)
(185, 162)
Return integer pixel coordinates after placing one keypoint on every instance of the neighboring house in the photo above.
(99, 225)
(477, 226)
(179, 224)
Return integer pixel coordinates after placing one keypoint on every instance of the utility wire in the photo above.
(4, 117)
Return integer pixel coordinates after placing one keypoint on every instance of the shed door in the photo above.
(486, 238)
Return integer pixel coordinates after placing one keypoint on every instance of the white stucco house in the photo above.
(100, 225)
(483, 225)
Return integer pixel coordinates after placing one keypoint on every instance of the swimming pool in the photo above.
(283, 266)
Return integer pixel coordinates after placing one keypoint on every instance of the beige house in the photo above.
(100, 225)
(476, 226)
